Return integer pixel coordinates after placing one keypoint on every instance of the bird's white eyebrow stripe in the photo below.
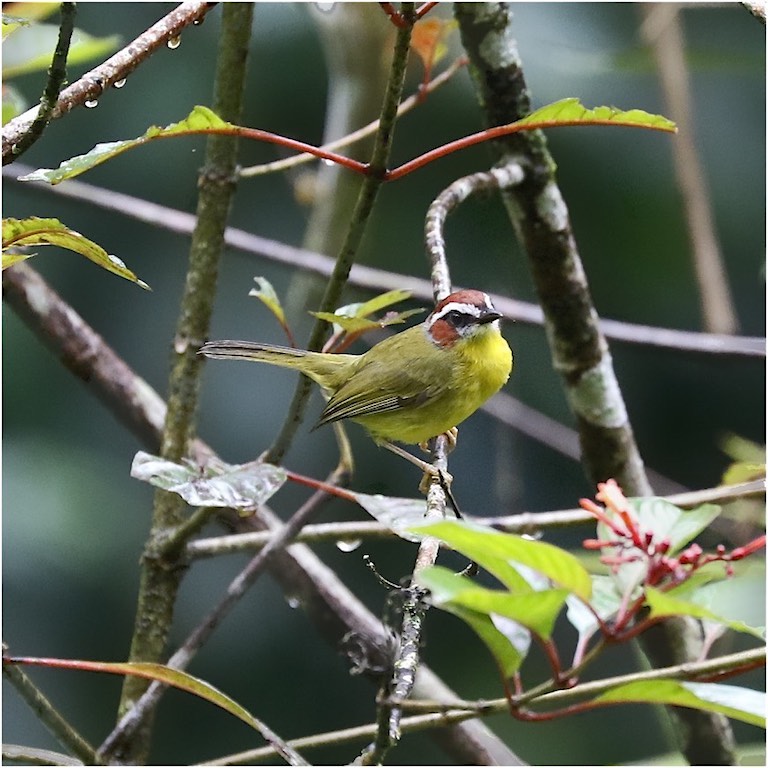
(455, 306)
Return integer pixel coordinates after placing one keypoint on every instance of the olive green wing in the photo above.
(389, 381)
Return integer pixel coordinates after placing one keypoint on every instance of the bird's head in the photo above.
(461, 315)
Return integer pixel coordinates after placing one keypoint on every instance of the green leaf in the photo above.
(536, 611)
(668, 604)
(382, 301)
(507, 640)
(572, 112)
(492, 549)
(267, 295)
(237, 486)
(35, 231)
(199, 120)
(149, 671)
(732, 701)
(31, 48)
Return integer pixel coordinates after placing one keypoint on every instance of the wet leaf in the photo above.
(35, 231)
(235, 486)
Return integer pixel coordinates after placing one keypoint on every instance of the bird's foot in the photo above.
(451, 437)
(433, 473)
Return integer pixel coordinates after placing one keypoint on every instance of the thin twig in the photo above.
(93, 83)
(524, 522)
(381, 280)
(406, 106)
(57, 76)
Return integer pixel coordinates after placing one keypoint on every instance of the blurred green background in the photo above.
(74, 522)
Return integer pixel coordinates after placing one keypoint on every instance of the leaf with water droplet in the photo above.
(199, 120)
(236, 486)
(36, 231)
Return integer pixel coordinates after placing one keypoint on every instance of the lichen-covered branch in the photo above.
(579, 350)
(540, 217)
(160, 579)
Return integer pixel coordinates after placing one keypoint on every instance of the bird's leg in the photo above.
(451, 436)
(428, 469)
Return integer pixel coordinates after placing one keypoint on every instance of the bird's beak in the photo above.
(489, 316)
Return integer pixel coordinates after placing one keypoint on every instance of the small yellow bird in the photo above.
(412, 386)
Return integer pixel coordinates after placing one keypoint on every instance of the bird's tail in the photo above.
(318, 366)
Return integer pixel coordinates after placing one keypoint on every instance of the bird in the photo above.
(412, 386)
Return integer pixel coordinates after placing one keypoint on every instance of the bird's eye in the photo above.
(456, 318)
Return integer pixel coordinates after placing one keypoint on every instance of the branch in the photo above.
(381, 280)
(57, 76)
(94, 83)
(160, 579)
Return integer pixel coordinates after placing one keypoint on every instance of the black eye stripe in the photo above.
(469, 310)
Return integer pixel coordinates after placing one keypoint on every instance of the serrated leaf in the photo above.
(32, 46)
(536, 611)
(488, 547)
(668, 604)
(572, 112)
(235, 486)
(36, 231)
(199, 120)
(732, 701)
(267, 295)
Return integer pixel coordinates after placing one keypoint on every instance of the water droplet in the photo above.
(91, 103)
(293, 602)
(348, 545)
(15, 149)
(326, 161)
(116, 261)
(119, 83)
(198, 22)
(174, 42)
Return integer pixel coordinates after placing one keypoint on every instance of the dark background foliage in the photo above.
(74, 522)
